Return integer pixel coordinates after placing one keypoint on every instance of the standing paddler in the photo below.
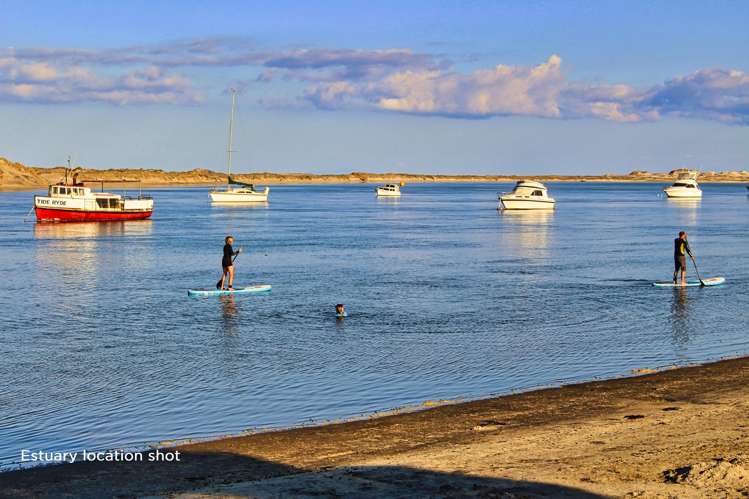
(681, 250)
(227, 264)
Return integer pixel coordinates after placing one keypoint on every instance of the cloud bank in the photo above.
(41, 82)
(387, 80)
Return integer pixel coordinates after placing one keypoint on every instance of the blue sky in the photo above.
(445, 87)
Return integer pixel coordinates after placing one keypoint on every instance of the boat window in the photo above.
(538, 193)
(54, 190)
(102, 203)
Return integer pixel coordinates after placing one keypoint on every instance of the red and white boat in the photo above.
(74, 202)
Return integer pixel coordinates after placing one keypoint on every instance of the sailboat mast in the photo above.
(231, 134)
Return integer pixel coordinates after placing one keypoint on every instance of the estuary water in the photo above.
(100, 346)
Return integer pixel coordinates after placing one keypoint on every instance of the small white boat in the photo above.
(527, 195)
(239, 195)
(390, 190)
(685, 186)
(243, 192)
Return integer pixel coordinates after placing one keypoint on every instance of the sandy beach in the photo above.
(675, 433)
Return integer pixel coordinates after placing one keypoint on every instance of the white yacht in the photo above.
(236, 192)
(527, 195)
(685, 186)
(389, 190)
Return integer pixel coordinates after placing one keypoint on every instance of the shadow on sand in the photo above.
(232, 475)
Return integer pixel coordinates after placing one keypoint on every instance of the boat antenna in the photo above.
(231, 135)
(66, 171)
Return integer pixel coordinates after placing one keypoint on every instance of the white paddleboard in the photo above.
(257, 288)
(710, 281)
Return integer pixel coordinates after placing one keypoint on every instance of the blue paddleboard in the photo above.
(257, 288)
(710, 281)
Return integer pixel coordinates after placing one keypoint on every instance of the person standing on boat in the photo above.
(681, 250)
(227, 264)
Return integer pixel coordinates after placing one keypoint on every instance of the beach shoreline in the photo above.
(16, 176)
(678, 432)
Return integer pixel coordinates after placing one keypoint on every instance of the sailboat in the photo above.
(236, 192)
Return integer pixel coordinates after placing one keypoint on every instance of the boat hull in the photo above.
(391, 194)
(73, 215)
(238, 197)
(682, 193)
(510, 203)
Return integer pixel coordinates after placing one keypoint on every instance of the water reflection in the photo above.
(55, 230)
(688, 209)
(527, 232)
(680, 317)
(230, 315)
(390, 200)
(84, 254)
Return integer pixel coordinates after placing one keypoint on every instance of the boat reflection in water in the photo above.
(87, 230)
(687, 209)
(389, 200)
(89, 254)
(527, 232)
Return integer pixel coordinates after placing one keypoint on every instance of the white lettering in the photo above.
(164, 456)
(48, 457)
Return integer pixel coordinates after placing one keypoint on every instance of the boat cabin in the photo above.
(60, 190)
(528, 188)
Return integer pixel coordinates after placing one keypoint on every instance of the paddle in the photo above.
(218, 284)
(702, 283)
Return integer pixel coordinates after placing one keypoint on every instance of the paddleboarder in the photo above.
(227, 264)
(681, 250)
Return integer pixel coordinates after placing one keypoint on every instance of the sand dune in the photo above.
(19, 176)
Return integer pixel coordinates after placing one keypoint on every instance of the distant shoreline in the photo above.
(16, 176)
(589, 180)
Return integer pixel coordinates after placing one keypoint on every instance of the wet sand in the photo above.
(676, 433)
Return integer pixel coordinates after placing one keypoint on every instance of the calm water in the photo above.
(100, 347)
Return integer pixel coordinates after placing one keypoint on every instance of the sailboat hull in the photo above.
(237, 196)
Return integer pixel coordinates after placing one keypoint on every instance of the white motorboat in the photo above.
(685, 186)
(389, 190)
(236, 192)
(527, 195)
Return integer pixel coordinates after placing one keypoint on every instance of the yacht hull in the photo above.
(74, 215)
(239, 196)
(683, 193)
(511, 203)
(386, 193)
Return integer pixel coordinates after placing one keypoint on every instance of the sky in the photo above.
(484, 87)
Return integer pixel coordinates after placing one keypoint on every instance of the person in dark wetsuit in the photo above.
(681, 250)
(227, 264)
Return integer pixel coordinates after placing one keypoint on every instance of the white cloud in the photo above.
(717, 94)
(42, 82)
(395, 80)
(540, 90)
